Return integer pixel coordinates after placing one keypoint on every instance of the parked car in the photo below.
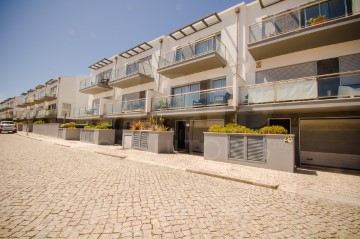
(8, 126)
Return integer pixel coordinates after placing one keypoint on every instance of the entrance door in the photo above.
(180, 128)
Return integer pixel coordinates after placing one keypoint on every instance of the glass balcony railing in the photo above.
(301, 17)
(133, 69)
(206, 98)
(101, 79)
(46, 113)
(339, 85)
(86, 111)
(191, 51)
(123, 107)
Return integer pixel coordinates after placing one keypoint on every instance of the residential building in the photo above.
(303, 72)
(51, 102)
(6, 109)
(294, 63)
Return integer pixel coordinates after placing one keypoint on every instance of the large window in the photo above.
(184, 97)
(329, 9)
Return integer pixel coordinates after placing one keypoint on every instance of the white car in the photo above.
(8, 126)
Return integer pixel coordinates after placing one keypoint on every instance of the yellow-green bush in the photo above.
(235, 128)
(274, 129)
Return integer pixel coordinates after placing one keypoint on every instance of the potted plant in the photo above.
(317, 20)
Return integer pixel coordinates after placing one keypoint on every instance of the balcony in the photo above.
(325, 87)
(95, 85)
(87, 112)
(315, 24)
(5, 107)
(206, 54)
(126, 107)
(26, 102)
(193, 100)
(42, 97)
(46, 113)
(132, 75)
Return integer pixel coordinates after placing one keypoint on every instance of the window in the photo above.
(329, 9)
(183, 96)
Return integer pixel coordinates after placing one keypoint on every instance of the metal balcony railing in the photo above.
(206, 98)
(192, 51)
(341, 85)
(124, 107)
(132, 69)
(300, 17)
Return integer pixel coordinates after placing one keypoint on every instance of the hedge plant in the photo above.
(235, 128)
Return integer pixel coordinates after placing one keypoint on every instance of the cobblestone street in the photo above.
(52, 191)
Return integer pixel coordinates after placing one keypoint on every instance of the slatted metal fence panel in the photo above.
(255, 148)
(237, 147)
(144, 140)
(136, 140)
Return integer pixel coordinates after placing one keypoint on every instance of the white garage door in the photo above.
(330, 142)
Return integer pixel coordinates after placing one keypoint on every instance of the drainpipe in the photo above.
(161, 45)
(237, 12)
(57, 98)
(116, 58)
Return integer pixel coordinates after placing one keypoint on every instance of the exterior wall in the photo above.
(68, 89)
(50, 129)
(279, 155)
(69, 134)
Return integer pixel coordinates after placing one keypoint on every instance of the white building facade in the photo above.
(290, 63)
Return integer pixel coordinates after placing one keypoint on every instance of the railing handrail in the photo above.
(317, 77)
(193, 92)
(194, 42)
(126, 101)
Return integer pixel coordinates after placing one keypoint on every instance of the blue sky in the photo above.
(43, 39)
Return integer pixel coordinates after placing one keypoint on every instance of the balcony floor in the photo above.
(132, 80)
(95, 89)
(197, 64)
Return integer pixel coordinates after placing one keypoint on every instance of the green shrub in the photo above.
(235, 128)
(70, 125)
(103, 126)
(231, 128)
(88, 127)
(274, 129)
(39, 122)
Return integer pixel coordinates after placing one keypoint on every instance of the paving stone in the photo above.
(57, 192)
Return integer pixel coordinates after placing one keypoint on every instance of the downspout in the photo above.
(57, 98)
(161, 44)
(113, 96)
(237, 12)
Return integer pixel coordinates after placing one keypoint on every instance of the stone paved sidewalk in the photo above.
(320, 184)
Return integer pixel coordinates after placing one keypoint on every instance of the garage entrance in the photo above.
(330, 142)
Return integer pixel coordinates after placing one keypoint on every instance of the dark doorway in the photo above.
(286, 123)
(180, 127)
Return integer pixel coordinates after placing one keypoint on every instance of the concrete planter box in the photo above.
(28, 127)
(50, 129)
(98, 136)
(69, 133)
(151, 141)
(259, 150)
(19, 127)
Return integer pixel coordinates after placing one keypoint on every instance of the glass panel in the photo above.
(328, 87)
